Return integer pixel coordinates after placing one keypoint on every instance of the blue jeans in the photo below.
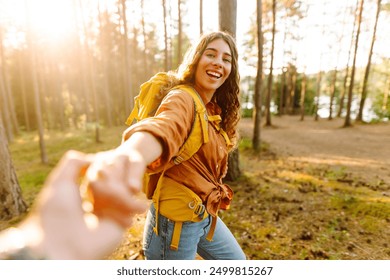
(192, 240)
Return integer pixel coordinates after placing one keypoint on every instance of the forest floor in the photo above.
(315, 191)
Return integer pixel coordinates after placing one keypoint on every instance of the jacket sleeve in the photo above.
(171, 126)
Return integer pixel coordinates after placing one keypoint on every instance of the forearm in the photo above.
(144, 144)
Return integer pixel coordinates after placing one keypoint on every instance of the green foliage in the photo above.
(245, 144)
(246, 113)
(335, 173)
(382, 109)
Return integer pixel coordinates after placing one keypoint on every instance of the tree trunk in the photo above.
(332, 94)
(200, 17)
(81, 87)
(37, 102)
(24, 92)
(179, 35)
(256, 141)
(6, 85)
(269, 93)
(90, 65)
(105, 71)
(165, 36)
(145, 60)
(11, 200)
(128, 92)
(345, 84)
(347, 122)
(292, 90)
(227, 22)
(282, 95)
(343, 91)
(58, 100)
(228, 16)
(318, 94)
(367, 72)
(234, 171)
(303, 93)
(5, 111)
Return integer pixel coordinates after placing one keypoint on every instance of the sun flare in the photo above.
(46, 19)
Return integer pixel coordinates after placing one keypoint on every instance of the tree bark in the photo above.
(37, 102)
(303, 94)
(5, 111)
(292, 90)
(332, 93)
(270, 76)
(180, 33)
(165, 36)
(256, 141)
(7, 89)
(145, 60)
(318, 94)
(367, 72)
(81, 87)
(227, 22)
(105, 71)
(128, 92)
(200, 17)
(228, 16)
(11, 200)
(24, 92)
(347, 122)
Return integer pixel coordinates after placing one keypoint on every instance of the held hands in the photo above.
(85, 205)
(115, 178)
(59, 227)
(114, 184)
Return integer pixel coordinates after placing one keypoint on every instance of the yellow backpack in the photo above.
(175, 201)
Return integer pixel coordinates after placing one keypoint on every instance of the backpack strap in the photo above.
(215, 121)
(200, 126)
(176, 235)
(210, 235)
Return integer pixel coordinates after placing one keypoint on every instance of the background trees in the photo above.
(314, 54)
(90, 67)
(72, 65)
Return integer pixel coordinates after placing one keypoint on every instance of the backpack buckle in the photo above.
(198, 209)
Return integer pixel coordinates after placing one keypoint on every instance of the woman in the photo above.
(211, 68)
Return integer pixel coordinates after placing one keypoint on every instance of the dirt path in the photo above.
(364, 150)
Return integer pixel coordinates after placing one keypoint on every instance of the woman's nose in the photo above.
(218, 61)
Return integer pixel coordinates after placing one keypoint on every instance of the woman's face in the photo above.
(214, 67)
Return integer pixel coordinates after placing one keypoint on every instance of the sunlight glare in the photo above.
(49, 20)
(52, 19)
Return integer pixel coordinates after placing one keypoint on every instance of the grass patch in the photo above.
(25, 153)
(359, 207)
(245, 144)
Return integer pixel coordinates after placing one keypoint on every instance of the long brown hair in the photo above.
(227, 95)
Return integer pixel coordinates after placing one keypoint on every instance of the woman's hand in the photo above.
(114, 185)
